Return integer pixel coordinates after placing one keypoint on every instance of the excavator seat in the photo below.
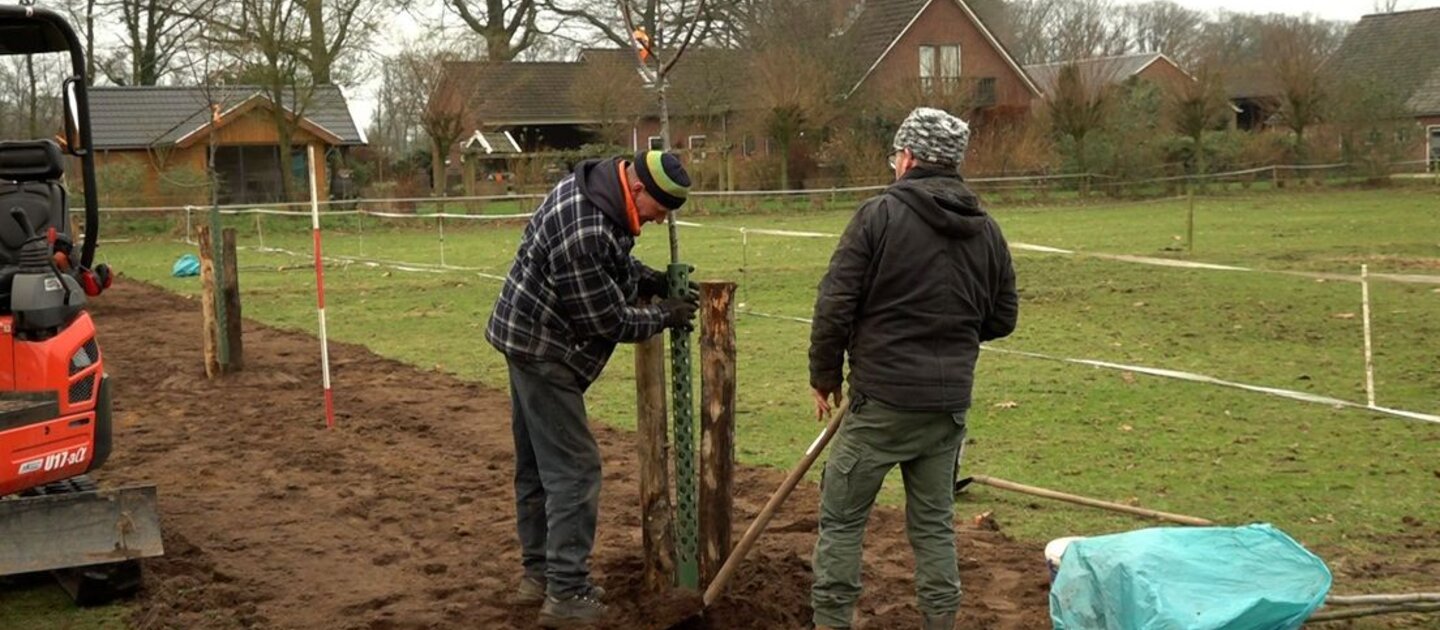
(30, 173)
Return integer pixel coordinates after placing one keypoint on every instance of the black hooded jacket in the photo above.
(921, 277)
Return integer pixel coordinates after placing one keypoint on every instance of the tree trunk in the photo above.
(285, 136)
(319, 50)
(437, 168)
(784, 164)
(34, 105)
(90, 41)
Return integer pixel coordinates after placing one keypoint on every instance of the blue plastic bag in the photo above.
(1173, 578)
(187, 267)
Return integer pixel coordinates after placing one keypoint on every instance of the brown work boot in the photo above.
(531, 592)
(940, 622)
(579, 610)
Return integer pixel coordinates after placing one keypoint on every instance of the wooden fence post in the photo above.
(651, 424)
(207, 302)
(717, 424)
(232, 302)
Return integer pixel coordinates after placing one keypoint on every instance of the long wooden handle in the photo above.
(1077, 499)
(732, 563)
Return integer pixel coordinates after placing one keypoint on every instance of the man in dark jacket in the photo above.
(570, 297)
(921, 277)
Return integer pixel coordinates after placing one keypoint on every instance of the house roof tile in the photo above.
(133, 117)
(1097, 71)
(1403, 49)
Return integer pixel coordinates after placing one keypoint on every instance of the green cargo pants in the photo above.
(873, 439)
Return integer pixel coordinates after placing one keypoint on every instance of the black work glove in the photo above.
(653, 284)
(657, 284)
(679, 312)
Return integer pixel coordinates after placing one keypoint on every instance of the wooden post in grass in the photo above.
(651, 422)
(232, 302)
(1190, 220)
(1369, 355)
(208, 302)
(217, 294)
(717, 424)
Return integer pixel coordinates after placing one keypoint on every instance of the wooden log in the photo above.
(651, 432)
(207, 302)
(232, 302)
(1397, 598)
(717, 424)
(1353, 613)
(1087, 501)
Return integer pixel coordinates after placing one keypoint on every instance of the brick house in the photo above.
(1153, 67)
(905, 53)
(935, 52)
(1402, 50)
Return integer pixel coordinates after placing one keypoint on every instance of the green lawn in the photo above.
(1339, 480)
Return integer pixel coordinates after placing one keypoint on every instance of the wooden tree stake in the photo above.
(207, 302)
(651, 422)
(232, 302)
(717, 424)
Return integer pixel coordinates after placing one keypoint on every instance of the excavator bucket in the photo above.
(78, 529)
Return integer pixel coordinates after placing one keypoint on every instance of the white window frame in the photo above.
(652, 141)
(1431, 133)
(929, 60)
(690, 144)
(946, 73)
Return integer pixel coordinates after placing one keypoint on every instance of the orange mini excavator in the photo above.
(55, 406)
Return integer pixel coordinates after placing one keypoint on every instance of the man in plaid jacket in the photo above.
(569, 298)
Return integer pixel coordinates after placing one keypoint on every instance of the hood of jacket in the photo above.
(599, 183)
(942, 200)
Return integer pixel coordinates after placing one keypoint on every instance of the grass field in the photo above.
(1347, 483)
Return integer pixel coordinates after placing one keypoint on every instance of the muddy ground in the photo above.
(403, 517)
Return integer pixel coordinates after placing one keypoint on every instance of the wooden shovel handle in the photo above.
(732, 563)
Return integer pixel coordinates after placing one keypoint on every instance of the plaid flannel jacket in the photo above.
(569, 295)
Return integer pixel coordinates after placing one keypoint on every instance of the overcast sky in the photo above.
(362, 103)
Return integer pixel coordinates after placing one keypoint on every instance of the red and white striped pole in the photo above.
(320, 287)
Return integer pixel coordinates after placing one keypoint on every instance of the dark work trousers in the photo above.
(557, 474)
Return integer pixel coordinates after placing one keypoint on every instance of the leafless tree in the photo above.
(1293, 50)
(1199, 106)
(1078, 107)
(396, 126)
(432, 72)
(338, 30)
(1027, 24)
(264, 38)
(153, 33)
(508, 27)
(612, 96)
(1163, 26)
(797, 75)
(666, 21)
(1374, 126)
(1083, 29)
(29, 87)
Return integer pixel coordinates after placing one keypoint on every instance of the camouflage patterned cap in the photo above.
(934, 136)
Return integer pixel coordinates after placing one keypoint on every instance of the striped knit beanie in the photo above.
(664, 177)
(934, 136)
